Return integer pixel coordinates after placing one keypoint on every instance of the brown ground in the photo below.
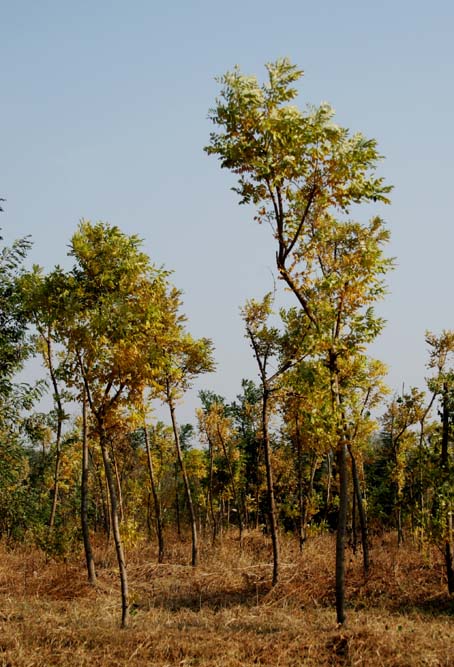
(224, 614)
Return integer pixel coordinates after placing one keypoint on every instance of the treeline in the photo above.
(301, 450)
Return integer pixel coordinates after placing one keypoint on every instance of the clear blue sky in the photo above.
(104, 116)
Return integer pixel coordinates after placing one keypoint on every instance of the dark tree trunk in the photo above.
(60, 418)
(108, 510)
(53, 511)
(445, 429)
(354, 534)
(117, 479)
(343, 488)
(115, 524)
(177, 503)
(149, 517)
(449, 559)
(257, 508)
(308, 495)
(104, 503)
(210, 493)
(301, 508)
(341, 533)
(195, 551)
(84, 498)
(328, 484)
(444, 464)
(270, 488)
(156, 500)
(361, 512)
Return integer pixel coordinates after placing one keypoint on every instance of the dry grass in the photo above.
(224, 613)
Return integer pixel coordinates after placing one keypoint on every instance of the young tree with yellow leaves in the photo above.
(304, 173)
(110, 316)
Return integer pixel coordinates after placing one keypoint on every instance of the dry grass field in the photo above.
(224, 613)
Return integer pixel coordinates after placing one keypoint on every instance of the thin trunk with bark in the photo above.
(235, 493)
(60, 418)
(270, 489)
(104, 503)
(118, 480)
(299, 463)
(210, 492)
(343, 491)
(177, 502)
(53, 511)
(262, 358)
(307, 497)
(361, 512)
(444, 465)
(328, 484)
(156, 500)
(341, 533)
(115, 525)
(195, 550)
(449, 551)
(91, 572)
(354, 533)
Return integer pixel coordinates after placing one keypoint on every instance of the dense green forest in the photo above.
(317, 445)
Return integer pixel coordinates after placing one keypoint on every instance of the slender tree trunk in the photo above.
(221, 517)
(341, 532)
(60, 418)
(270, 487)
(328, 484)
(258, 457)
(104, 504)
(449, 551)
(304, 502)
(444, 465)
(400, 532)
(445, 429)
(115, 525)
(195, 553)
(308, 495)
(53, 511)
(301, 508)
(235, 493)
(118, 481)
(420, 485)
(343, 490)
(156, 500)
(210, 493)
(354, 535)
(361, 512)
(108, 510)
(84, 498)
(177, 503)
(149, 517)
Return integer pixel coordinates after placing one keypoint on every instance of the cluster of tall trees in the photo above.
(300, 450)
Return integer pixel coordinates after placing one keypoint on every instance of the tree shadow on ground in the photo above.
(440, 606)
(215, 600)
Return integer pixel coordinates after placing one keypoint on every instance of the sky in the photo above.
(104, 116)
